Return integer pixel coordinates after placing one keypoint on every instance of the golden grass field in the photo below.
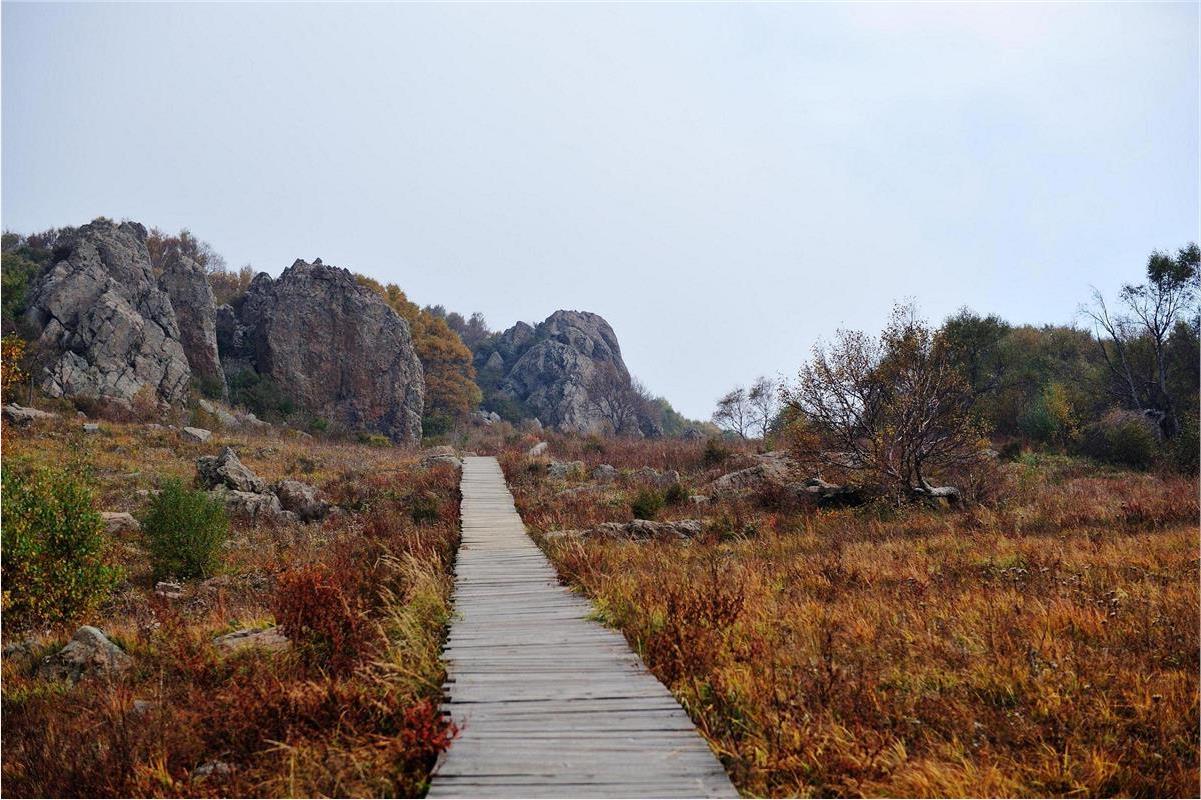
(1045, 645)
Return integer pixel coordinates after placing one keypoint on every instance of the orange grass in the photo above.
(351, 710)
(1045, 645)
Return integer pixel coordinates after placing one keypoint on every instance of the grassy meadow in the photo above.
(1042, 642)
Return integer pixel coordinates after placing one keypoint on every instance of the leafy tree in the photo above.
(1134, 338)
(895, 407)
(734, 412)
(763, 401)
(450, 388)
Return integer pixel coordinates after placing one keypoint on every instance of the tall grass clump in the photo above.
(55, 552)
(184, 530)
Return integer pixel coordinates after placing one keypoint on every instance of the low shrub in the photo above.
(646, 504)
(676, 495)
(1186, 447)
(323, 618)
(54, 559)
(715, 453)
(184, 530)
(1122, 437)
(424, 508)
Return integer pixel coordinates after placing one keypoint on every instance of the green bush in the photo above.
(260, 395)
(647, 504)
(424, 508)
(54, 548)
(715, 453)
(675, 495)
(1186, 447)
(184, 530)
(1124, 438)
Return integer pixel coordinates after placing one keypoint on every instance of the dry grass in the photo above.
(351, 710)
(1046, 644)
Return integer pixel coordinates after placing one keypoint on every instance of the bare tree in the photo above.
(894, 407)
(615, 398)
(1149, 313)
(763, 399)
(733, 412)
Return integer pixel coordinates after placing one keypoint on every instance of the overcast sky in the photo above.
(724, 183)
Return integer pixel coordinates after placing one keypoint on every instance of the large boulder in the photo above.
(195, 311)
(89, 653)
(227, 470)
(334, 347)
(303, 500)
(23, 415)
(107, 327)
(547, 369)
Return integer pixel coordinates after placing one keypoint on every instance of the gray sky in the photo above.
(724, 183)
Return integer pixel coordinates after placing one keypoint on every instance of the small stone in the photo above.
(196, 434)
(143, 706)
(301, 499)
(538, 449)
(266, 638)
(172, 591)
(604, 473)
(210, 768)
(91, 427)
(121, 521)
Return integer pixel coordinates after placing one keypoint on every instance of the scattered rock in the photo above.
(604, 473)
(443, 454)
(91, 427)
(225, 469)
(22, 415)
(224, 417)
(301, 499)
(563, 469)
(259, 507)
(210, 768)
(698, 499)
(265, 638)
(172, 591)
(89, 653)
(766, 475)
(143, 706)
(538, 449)
(692, 434)
(659, 479)
(118, 522)
(196, 434)
(19, 649)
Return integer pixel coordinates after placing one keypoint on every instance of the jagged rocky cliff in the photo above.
(103, 325)
(335, 346)
(546, 370)
(106, 326)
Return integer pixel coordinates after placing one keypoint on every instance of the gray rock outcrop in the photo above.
(335, 347)
(302, 500)
(107, 326)
(547, 369)
(89, 653)
(195, 312)
(23, 415)
(226, 469)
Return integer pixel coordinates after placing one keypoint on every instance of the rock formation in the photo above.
(195, 312)
(105, 326)
(335, 347)
(547, 369)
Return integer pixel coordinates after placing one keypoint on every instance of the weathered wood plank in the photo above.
(550, 703)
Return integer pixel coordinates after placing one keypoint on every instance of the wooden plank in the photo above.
(550, 703)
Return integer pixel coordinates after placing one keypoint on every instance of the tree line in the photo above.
(916, 402)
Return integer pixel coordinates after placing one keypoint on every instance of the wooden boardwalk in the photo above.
(549, 703)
